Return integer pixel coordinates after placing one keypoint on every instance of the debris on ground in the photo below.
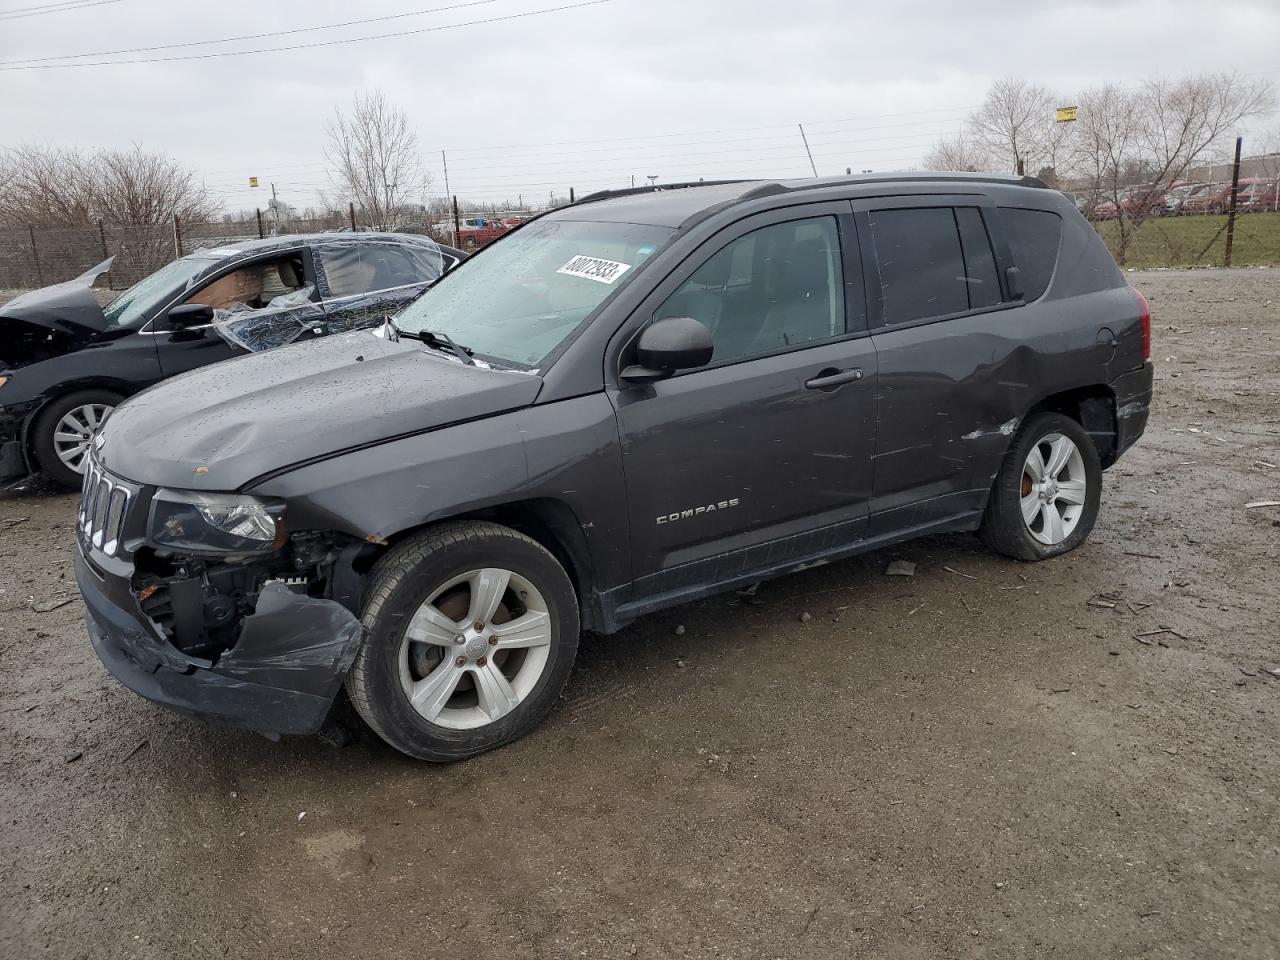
(1274, 671)
(1262, 503)
(967, 576)
(14, 521)
(679, 631)
(900, 568)
(72, 756)
(46, 606)
(806, 617)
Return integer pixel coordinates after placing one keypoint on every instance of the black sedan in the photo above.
(66, 361)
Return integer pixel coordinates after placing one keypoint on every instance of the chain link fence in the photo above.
(36, 256)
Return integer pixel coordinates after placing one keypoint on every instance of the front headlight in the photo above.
(217, 524)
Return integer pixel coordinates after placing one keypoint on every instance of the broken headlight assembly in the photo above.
(219, 525)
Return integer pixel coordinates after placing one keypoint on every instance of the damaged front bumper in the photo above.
(1133, 392)
(13, 458)
(279, 677)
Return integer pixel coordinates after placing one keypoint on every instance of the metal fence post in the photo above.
(351, 213)
(102, 237)
(177, 238)
(258, 211)
(457, 224)
(572, 199)
(35, 255)
(1231, 209)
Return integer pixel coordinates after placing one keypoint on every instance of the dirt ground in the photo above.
(979, 761)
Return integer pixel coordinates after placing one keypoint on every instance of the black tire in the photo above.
(42, 430)
(1003, 528)
(401, 581)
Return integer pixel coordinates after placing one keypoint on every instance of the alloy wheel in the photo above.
(75, 432)
(475, 649)
(1053, 489)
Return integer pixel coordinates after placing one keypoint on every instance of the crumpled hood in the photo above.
(69, 307)
(219, 427)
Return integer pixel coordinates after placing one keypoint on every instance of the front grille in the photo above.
(104, 505)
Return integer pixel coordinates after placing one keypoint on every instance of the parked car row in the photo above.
(1182, 198)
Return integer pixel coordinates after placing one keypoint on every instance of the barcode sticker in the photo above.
(593, 268)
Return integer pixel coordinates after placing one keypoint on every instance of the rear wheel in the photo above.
(1046, 496)
(63, 433)
(471, 630)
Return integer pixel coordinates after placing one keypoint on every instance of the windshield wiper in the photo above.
(437, 339)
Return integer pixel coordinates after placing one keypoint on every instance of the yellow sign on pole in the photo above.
(1067, 114)
(253, 181)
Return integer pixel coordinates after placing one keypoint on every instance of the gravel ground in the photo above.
(979, 761)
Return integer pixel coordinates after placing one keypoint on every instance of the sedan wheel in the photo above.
(73, 434)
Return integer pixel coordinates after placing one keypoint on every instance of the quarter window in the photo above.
(1034, 238)
(770, 290)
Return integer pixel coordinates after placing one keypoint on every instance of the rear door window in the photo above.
(922, 269)
(979, 260)
(355, 268)
(1034, 239)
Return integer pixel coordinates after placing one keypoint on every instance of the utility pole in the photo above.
(807, 150)
(445, 161)
(275, 208)
(1231, 210)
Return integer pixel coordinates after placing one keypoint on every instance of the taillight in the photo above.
(1146, 325)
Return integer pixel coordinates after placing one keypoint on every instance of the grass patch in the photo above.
(1199, 241)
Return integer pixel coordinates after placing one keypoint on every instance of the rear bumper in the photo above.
(280, 677)
(1133, 405)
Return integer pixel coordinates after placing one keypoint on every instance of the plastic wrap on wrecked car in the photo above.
(360, 264)
(280, 322)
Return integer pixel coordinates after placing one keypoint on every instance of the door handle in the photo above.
(831, 377)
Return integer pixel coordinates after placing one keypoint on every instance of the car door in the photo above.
(289, 319)
(763, 457)
(950, 387)
(364, 281)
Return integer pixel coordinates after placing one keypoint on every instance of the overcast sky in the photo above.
(591, 96)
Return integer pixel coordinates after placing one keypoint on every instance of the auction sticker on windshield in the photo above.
(593, 268)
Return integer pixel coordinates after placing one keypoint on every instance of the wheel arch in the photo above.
(56, 393)
(1094, 408)
(555, 526)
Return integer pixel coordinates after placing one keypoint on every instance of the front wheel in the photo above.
(63, 432)
(471, 630)
(1046, 495)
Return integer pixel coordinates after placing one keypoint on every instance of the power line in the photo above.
(19, 13)
(305, 46)
(248, 36)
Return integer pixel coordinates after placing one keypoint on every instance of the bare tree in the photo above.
(961, 153)
(50, 187)
(1147, 139)
(1015, 126)
(374, 159)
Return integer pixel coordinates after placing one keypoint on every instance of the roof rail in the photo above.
(652, 188)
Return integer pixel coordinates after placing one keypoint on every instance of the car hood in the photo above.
(225, 425)
(68, 308)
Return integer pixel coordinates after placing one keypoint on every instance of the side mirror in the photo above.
(190, 315)
(668, 345)
(1014, 279)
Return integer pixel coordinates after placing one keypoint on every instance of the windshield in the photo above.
(133, 306)
(523, 297)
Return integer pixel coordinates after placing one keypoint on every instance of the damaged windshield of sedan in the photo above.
(523, 297)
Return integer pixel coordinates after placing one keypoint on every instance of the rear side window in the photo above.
(1034, 239)
(922, 269)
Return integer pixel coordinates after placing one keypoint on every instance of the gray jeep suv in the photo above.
(642, 398)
